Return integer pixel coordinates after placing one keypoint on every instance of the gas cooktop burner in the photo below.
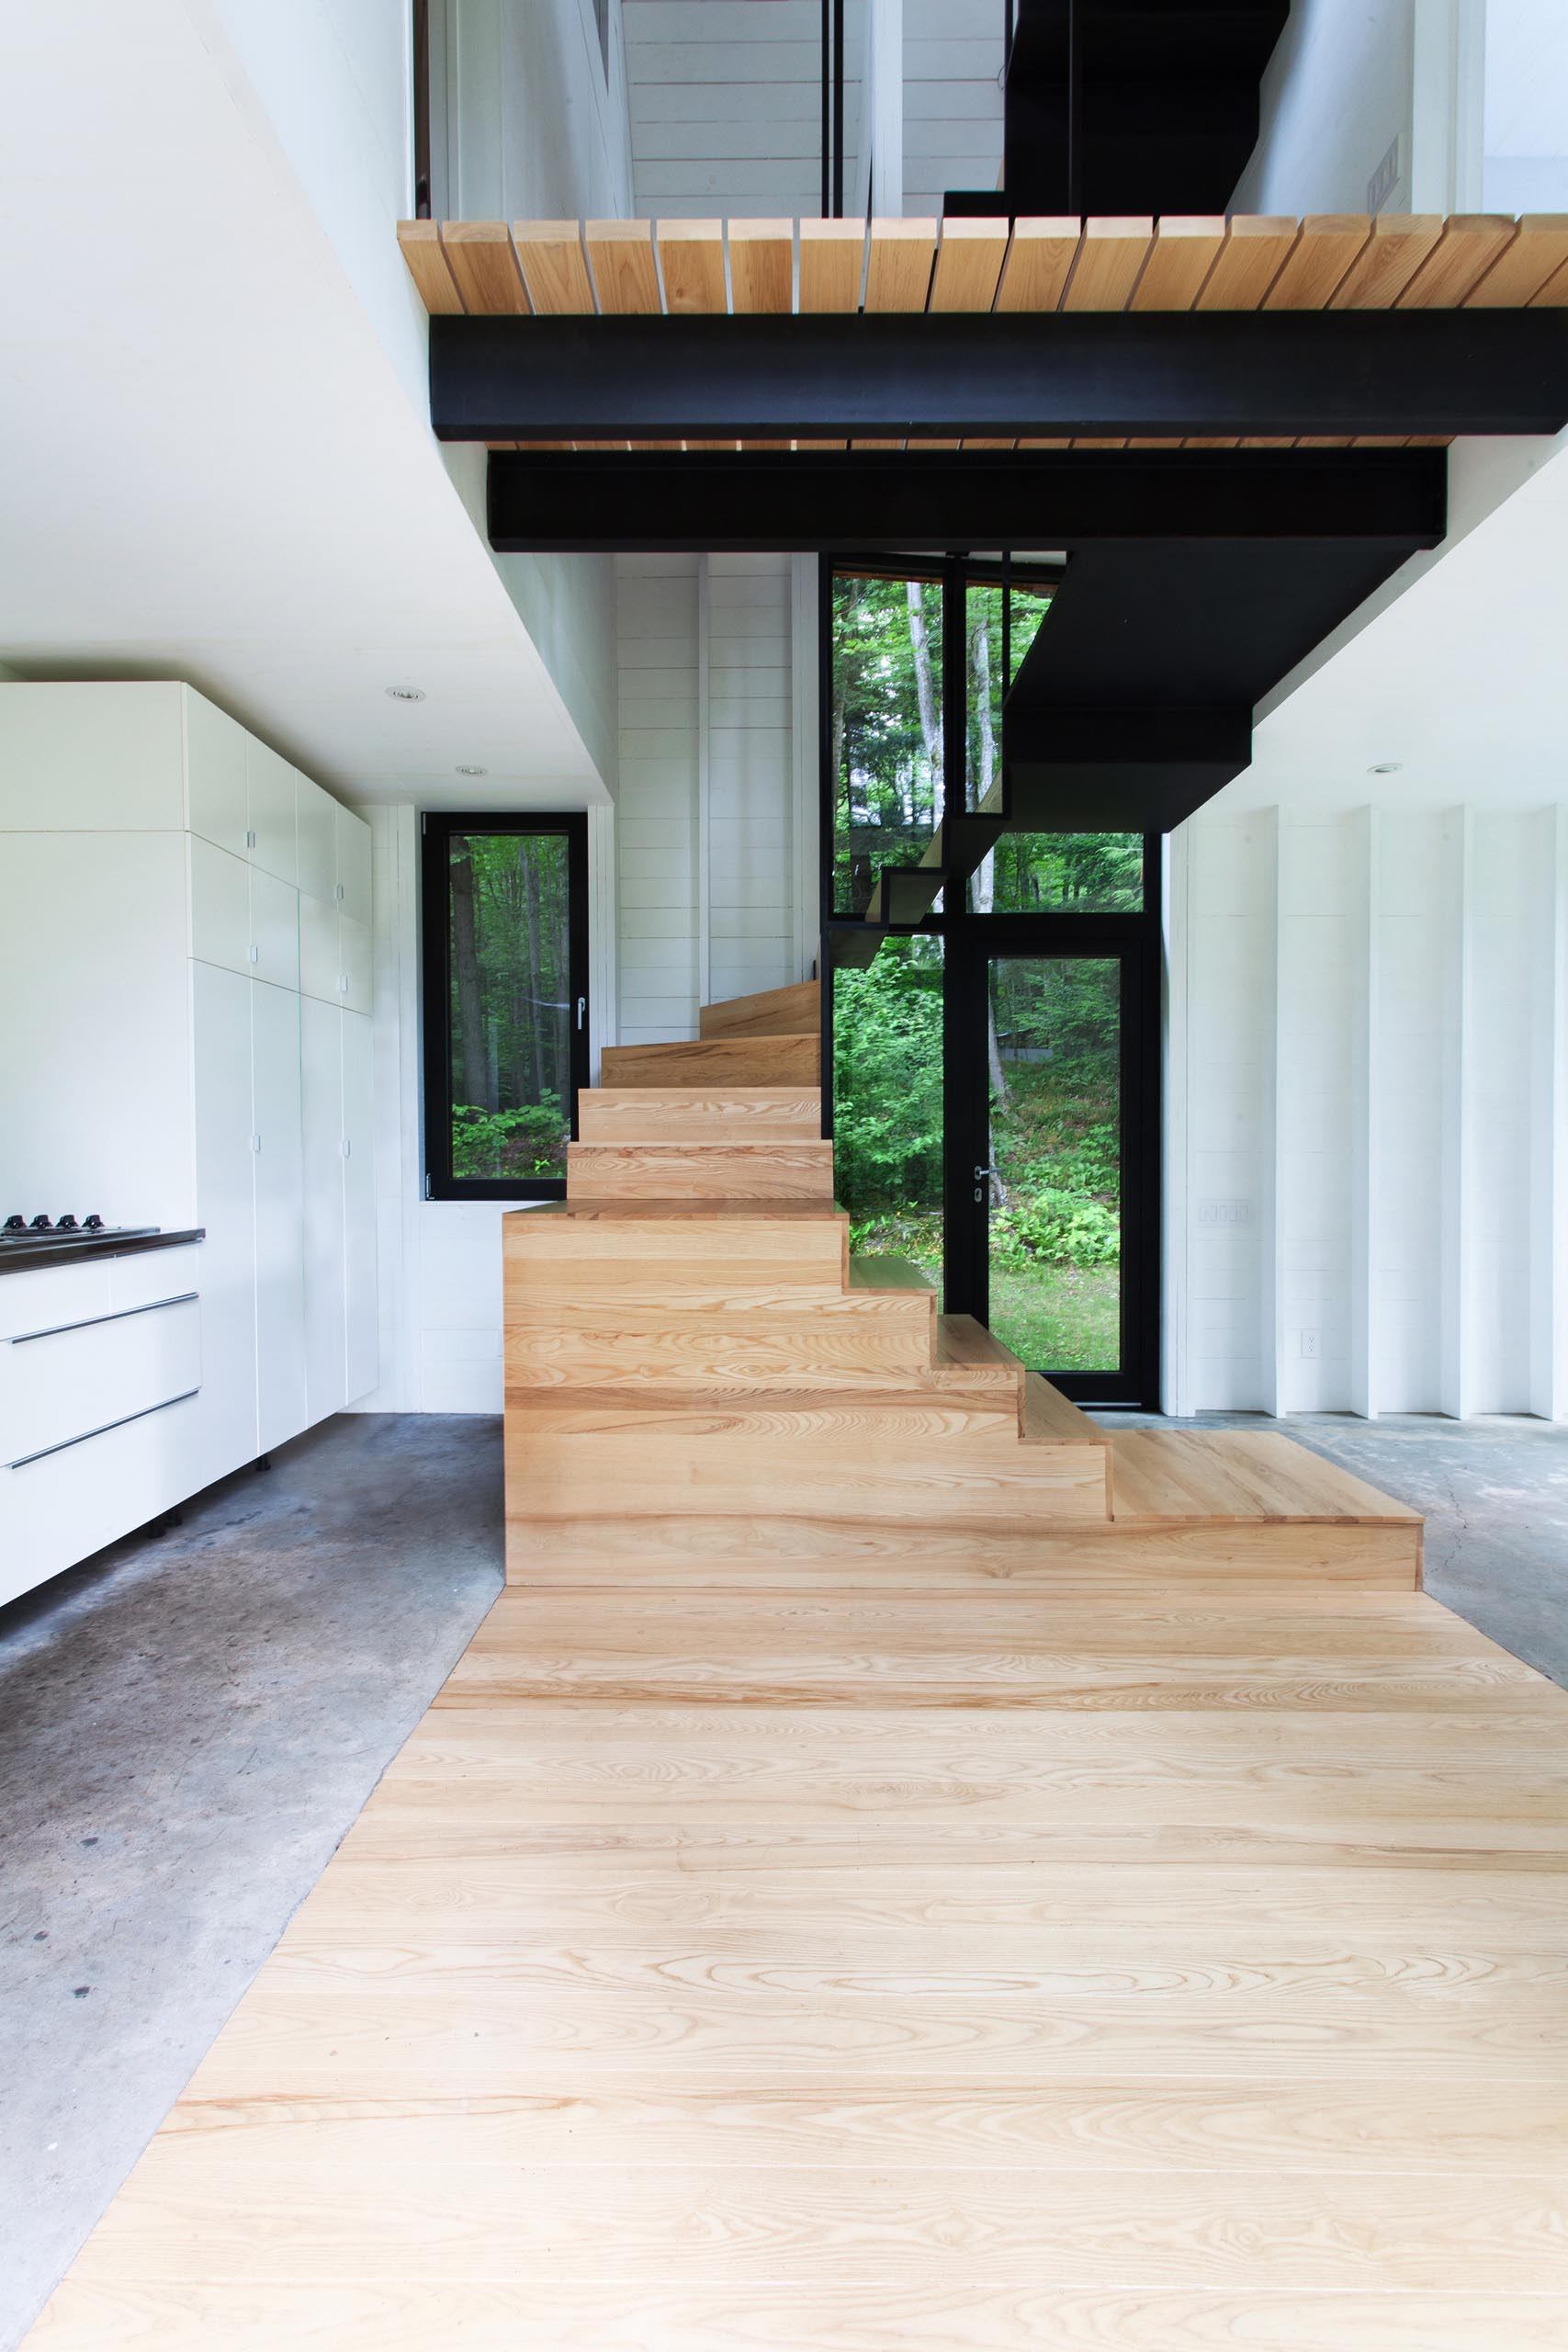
(20, 1232)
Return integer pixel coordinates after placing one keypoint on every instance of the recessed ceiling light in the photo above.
(406, 694)
(461, 770)
(1385, 767)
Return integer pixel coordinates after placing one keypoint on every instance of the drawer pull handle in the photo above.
(102, 1430)
(88, 1323)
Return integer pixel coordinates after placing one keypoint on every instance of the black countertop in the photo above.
(72, 1249)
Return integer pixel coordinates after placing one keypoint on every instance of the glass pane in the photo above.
(510, 1013)
(1072, 874)
(984, 688)
(887, 728)
(887, 1123)
(1055, 1214)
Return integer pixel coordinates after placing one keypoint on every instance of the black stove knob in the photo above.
(66, 1224)
(16, 1224)
(40, 1225)
(92, 1224)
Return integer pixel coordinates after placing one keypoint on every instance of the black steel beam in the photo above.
(843, 504)
(943, 375)
(1062, 733)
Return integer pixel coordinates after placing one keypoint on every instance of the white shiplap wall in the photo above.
(953, 99)
(726, 101)
(712, 770)
(1370, 1157)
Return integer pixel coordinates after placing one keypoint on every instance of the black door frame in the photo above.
(1133, 941)
(1135, 937)
(436, 828)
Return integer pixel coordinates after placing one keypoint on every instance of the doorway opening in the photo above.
(993, 1084)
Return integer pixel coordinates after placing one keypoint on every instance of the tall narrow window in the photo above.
(505, 1003)
(886, 726)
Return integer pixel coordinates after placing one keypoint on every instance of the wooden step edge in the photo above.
(788, 1209)
(1051, 1418)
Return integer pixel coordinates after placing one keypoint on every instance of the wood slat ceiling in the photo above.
(1332, 260)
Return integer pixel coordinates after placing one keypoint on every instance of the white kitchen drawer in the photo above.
(219, 907)
(321, 965)
(269, 793)
(53, 1295)
(147, 1274)
(316, 824)
(68, 1505)
(275, 931)
(215, 776)
(62, 1384)
(353, 948)
(353, 865)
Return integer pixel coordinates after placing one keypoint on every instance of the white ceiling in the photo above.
(214, 468)
(1459, 672)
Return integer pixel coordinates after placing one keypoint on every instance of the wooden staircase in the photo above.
(700, 1374)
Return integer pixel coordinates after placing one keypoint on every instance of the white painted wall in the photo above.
(535, 120)
(1337, 93)
(1525, 166)
(710, 854)
(1369, 1163)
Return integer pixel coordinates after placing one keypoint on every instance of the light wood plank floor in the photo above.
(716, 1971)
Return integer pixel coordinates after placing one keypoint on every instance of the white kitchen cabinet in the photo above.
(219, 907)
(352, 866)
(353, 954)
(321, 1099)
(225, 1206)
(276, 1146)
(315, 816)
(321, 965)
(192, 1064)
(270, 798)
(362, 1310)
(275, 931)
(215, 775)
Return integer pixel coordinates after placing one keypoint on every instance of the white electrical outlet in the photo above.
(1310, 1342)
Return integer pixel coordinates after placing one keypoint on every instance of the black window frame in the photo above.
(437, 828)
(1136, 936)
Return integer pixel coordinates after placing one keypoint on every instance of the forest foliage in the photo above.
(511, 1029)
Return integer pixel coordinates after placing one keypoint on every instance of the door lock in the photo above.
(980, 1176)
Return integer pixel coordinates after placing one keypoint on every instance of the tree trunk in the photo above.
(925, 699)
(477, 1085)
(535, 980)
(983, 887)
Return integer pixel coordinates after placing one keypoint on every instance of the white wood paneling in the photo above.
(278, 1154)
(324, 1273)
(1368, 1150)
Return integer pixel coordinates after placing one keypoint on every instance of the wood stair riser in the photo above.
(1087, 1559)
(668, 1172)
(678, 1115)
(716, 1063)
(772, 1013)
(546, 1252)
(881, 1423)
(647, 1477)
(779, 1350)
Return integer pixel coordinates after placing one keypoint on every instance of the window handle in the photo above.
(581, 1008)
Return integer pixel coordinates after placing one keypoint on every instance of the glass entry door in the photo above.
(1051, 1192)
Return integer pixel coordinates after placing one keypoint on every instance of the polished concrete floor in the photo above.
(188, 1725)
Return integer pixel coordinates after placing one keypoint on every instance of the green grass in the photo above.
(1054, 1318)
(1059, 1319)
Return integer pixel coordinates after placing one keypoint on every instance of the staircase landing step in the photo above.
(1230, 1478)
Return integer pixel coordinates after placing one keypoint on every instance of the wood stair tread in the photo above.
(659, 1211)
(1050, 1419)
(1241, 1476)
